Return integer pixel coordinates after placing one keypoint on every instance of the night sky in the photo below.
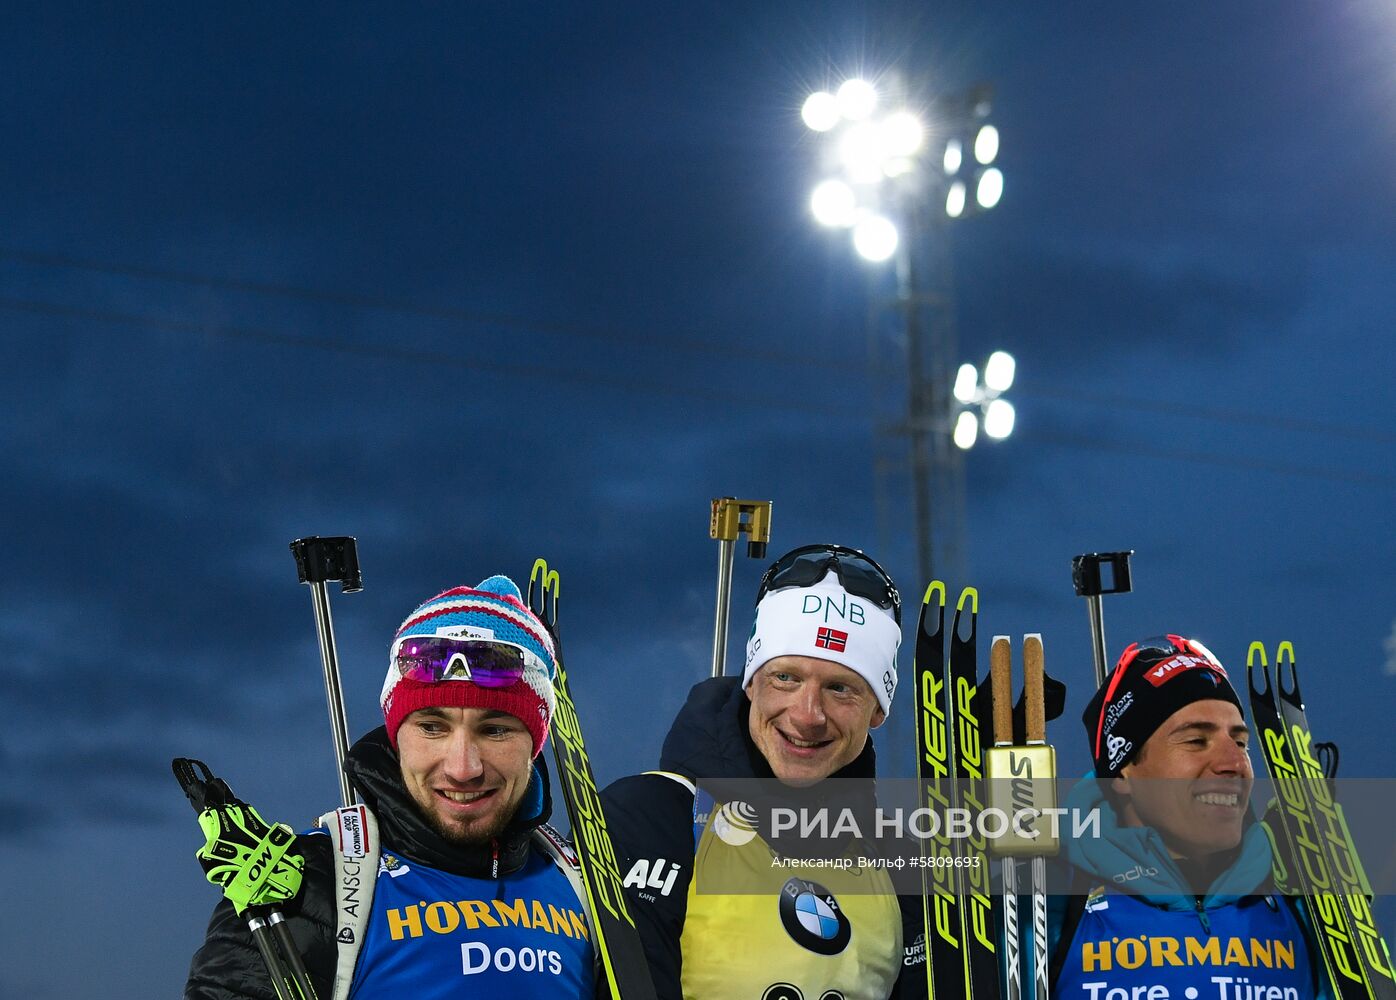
(481, 282)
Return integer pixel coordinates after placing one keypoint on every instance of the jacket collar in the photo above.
(1136, 858)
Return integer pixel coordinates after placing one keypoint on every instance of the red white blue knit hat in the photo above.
(494, 610)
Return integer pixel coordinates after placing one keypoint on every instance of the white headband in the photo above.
(827, 622)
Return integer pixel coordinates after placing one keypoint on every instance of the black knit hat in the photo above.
(1154, 678)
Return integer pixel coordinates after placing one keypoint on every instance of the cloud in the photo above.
(1081, 310)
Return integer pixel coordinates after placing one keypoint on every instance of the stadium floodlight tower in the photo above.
(893, 172)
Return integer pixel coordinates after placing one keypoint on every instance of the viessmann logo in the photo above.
(1174, 666)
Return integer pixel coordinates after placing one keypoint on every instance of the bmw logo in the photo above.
(813, 918)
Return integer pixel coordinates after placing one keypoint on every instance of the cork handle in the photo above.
(1001, 674)
(1032, 688)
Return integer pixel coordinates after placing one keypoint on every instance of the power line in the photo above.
(1203, 458)
(780, 401)
(1219, 414)
(785, 401)
(1077, 395)
(703, 345)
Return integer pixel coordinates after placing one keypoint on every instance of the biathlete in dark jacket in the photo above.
(470, 895)
(726, 908)
(1174, 898)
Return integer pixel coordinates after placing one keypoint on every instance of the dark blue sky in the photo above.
(480, 282)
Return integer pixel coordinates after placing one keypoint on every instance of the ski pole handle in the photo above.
(318, 561)
(1033, 694)
(730, 518)
(1087, 578)
(1001, 677)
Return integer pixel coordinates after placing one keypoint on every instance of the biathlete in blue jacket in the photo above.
(471, 895)
(1174, 898)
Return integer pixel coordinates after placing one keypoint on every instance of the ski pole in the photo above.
(1001, 678)
(1022, 785)
(244, 854)
(1085, 574)
(731, 517)
(318, 561)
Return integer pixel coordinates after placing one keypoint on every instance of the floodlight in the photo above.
(821, 111)
(833, 203)
(875, 238)
(966, 381)
(998, 419)
(955, 200)
(902, 133)
(899, 165)
(856, 99)
(862, 152)
(998, 372)
(990, 188)
(986, 145)
(966, 430)
(954, 156)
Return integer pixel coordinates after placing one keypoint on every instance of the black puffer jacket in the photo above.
(228, 967)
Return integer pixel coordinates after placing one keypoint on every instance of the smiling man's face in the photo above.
(809, 717)
(466, 768)
(1191, 781)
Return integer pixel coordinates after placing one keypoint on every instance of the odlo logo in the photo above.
(1118, 747)
(813, 918)
(1136, 872)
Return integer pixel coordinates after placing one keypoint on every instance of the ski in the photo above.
(962, 680)
(617, 941)
(1321, 851)
(941, 903)
(1350, 880)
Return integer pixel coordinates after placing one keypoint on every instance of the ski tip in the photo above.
(1255, 658)
(1001, 638)
(968, 596)
(1286, 672)
(932, 588)
(1032, 637)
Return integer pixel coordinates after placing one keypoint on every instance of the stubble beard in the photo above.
(465, 835)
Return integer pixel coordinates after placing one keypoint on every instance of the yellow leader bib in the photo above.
(800, 933)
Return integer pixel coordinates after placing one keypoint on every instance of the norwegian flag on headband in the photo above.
(831, 638)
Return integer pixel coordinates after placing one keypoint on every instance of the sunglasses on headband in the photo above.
(433, 658)
(856, 572)
(1169, 645)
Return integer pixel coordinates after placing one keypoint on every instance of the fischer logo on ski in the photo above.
(1350, 946)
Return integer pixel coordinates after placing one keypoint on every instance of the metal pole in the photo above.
(726, 554)
(1086, 578)
(319, 560)
(921, 422)
(334, 694)
(1097, 616)
(730, 518)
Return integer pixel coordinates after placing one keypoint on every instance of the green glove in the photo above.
(243, 854)
(249, 858)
